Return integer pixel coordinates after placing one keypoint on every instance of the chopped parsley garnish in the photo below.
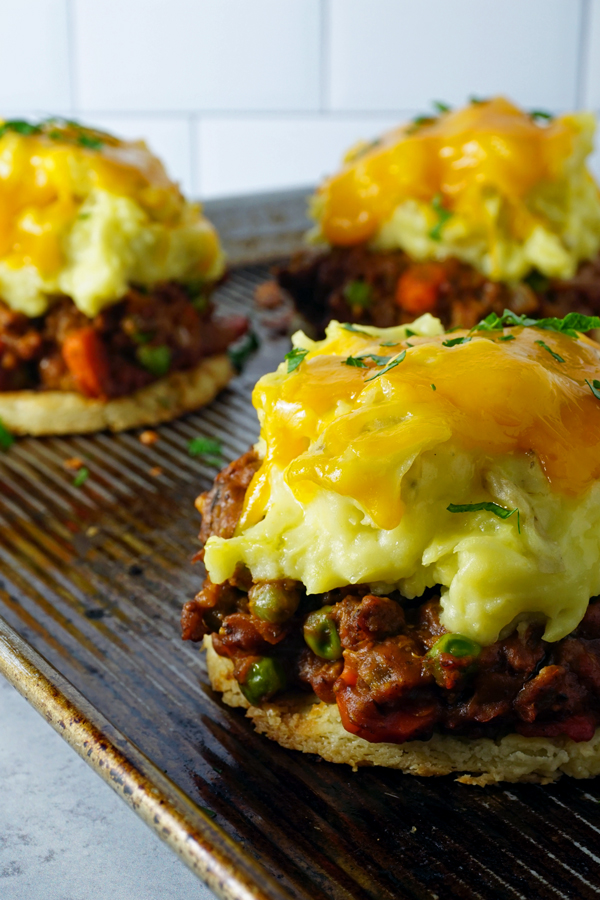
(48, 127)
(594, 388)
(390, 343)
(499, 511)
(378, 360)
(441, 107)
(91, 143)
(19, 126)
(494, 322)
(433, 387)
(507, 337)
(6, 438)
(81, 477)
(349, 327)
(356, 361)
(536, 114)
(242, 350)
(443, 215)
(359, 361)
(294, 358)
(476, 101)
(391, 365)
(410, 333)
(570, 325)
(358, 293)
(418, 121)
(209, 449)
(550, 351)
(455, 341)
(156, 360)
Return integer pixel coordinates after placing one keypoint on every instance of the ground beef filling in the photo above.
(353, 284)
(379, 658)
(127, 346)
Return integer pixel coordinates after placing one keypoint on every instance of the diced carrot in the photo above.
(85, 356)
(349, 675)
(418, 288)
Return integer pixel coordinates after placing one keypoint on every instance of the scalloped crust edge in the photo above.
(67, 412)
(301, 722)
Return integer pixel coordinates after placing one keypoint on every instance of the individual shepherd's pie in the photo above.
(405, 570)
(106, 272)
(459, 213)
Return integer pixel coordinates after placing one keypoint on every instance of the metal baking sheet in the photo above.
(91, 584)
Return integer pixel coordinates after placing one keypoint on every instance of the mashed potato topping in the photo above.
(84, 214)
(370, 435)
(490, 185)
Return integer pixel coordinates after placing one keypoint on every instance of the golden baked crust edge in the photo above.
(67, 412)
(311, 726)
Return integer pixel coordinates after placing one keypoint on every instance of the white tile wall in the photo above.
(34, 59)
(591, 49)
(248, 95)
(241, 154)
(389, 54)
(186, 55)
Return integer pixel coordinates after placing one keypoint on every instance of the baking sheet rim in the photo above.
(218, 860)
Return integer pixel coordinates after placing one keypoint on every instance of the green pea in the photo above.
(456, 645)
(321, 634)
(265, 677)
(272, 601)
(448, 674)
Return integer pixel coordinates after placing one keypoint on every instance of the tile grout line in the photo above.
(71, 53)
(254, 114)
(584, 52)
(195, 180)
(324, 58)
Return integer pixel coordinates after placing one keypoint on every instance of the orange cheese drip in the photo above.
(462, 156)
(491, 397)
(43, 182)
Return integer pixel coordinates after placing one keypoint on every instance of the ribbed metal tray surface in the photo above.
(92, 580)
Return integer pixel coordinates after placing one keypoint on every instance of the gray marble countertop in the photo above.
(64, 835)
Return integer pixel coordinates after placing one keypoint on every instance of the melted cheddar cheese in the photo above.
(373, 436)
(486, 184)
(85, 214)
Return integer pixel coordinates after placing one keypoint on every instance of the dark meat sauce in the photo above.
(385, 684)
(33, 352)
(395, 290)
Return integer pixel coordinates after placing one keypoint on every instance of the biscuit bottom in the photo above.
(302, 722)
(67, 412)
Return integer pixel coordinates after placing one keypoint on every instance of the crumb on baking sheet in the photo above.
(73, 464)
(156, 471)
(268, 295)
(148, 437)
